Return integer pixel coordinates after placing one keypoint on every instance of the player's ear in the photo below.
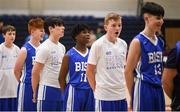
(146, 17)
(105, 27)
(50, 28)
(32, 31)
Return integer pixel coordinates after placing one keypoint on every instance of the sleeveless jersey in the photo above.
(150, 66)
(28, 65)
(77, 68)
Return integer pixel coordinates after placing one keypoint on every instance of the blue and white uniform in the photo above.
(110, 60)
(8, 82)
(25, 93)
(148, 92)
(78, 95)
(49, 93)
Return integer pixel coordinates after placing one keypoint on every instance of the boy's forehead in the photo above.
(39, 28)
(11, 31)
(113, 20)
(58, 25)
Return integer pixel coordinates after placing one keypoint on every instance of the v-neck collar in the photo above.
(85, 54)
(156, 39)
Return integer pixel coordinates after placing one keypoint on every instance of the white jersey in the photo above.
(51, 55)
(110, 61)
(8, 82)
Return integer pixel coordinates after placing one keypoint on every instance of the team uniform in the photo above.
(8, 82)
(25, 93)
(148, 92)
(173, 62)
(49, 94)
(110, 59)
(78, 95)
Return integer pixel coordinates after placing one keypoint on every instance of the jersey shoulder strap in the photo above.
(178, 50)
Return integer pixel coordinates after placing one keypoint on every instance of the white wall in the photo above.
(95, 7)
(98, 8)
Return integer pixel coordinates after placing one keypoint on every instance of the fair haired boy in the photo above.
(105, 69)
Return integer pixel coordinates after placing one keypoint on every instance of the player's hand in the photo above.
(34, 98)
(130, 105)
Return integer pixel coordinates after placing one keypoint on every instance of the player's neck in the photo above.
(34, 43)
(81, 48)
(53, 39)
(8, 45)
(150, 34)
(111, 38)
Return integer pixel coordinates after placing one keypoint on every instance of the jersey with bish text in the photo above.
(110, 60)
(150, 66)
(77, 68)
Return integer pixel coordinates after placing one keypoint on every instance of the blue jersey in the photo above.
(77, 69)
(1, 38)
(150, 66)
(31, 51)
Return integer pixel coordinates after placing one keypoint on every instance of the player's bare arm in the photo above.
(132, 60)
(90, 72)
(37, 68)
(20, 63)
(167, 80)
(63, 72)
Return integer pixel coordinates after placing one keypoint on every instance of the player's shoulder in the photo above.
(71, 51)
(99, 42)
(62, 46)
(15, 46)
(122, 42)
(1, 47)
(17, 49)
(139, 37)
(43, 47)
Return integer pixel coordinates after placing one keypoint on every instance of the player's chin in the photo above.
(86, 42)
(61, 35)
(158, 29)
(12, 40)
(116, 35)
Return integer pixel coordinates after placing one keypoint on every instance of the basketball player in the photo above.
(8, 82)
(105, 69)
(145, 54)
(171, 77)
(25, 62)
(78, 95)
(45, 72)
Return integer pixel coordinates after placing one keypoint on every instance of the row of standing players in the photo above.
(83, 79)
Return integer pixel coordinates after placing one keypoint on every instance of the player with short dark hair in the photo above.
(146, 56)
